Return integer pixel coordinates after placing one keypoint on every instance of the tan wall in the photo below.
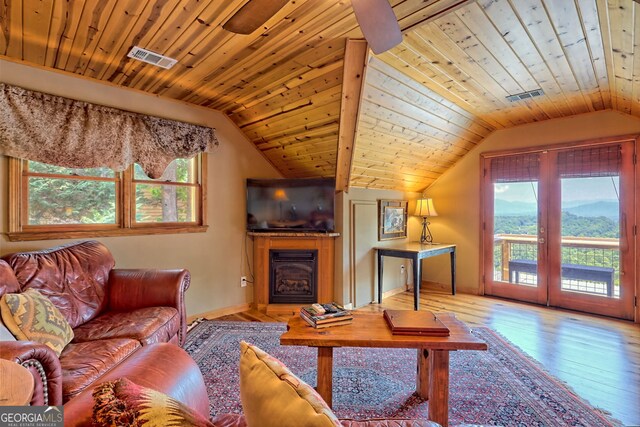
(456, 192)
(345, 222)
(215, 258)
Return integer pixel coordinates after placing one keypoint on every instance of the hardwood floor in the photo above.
(598, 357)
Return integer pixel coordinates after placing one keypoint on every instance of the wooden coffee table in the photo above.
(371, 330)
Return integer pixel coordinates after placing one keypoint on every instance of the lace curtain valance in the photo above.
(70, 133)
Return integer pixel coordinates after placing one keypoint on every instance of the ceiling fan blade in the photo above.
(252, 15)
(378, 24)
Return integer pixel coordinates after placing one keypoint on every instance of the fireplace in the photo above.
(293, 277)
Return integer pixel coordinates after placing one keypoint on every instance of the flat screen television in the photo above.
(291, 204)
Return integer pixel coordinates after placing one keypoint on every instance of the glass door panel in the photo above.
(590, 227)
(515, 233)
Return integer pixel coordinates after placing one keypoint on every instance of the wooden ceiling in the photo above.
(425, 103)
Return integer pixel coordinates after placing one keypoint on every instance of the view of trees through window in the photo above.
(66, 196)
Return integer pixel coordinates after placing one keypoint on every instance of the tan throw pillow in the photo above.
(125, 403)
(32, 316)
(272, 396)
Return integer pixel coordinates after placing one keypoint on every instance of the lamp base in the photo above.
(426, 238)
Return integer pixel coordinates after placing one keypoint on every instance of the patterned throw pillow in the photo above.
(124, 403)
(32, 316)
(272, 396)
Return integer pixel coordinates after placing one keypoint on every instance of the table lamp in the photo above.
(281, 196)
(425, 209)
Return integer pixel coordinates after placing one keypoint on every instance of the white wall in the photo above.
(216, 258)
(345, 222)
(456, 193)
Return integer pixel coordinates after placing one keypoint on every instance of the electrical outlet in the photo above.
(243, 281)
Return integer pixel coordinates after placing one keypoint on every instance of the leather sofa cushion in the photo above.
(148, 325)
(74, 277)
(83, 363)
(163, 367)
(8, 282)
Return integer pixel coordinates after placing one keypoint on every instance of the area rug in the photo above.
(501, 386)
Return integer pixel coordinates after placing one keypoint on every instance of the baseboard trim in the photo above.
(395, 291)
(220, 312)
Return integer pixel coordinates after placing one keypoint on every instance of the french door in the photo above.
(558, 227)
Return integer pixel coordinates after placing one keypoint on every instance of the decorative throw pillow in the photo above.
(32, 316)
(125, 403)
(272, 396)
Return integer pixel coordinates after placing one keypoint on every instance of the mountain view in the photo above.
(579, 218)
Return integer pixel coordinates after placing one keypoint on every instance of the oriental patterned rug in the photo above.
(501, 386)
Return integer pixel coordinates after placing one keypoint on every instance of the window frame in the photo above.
(125, 225)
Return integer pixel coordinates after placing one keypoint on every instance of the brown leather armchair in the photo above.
(113, 314)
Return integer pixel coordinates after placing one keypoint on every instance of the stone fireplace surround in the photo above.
(323, 243)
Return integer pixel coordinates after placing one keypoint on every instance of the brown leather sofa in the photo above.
(113, 313)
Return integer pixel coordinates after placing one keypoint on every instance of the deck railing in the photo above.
(584, 251)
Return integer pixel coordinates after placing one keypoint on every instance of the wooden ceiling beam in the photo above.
(353, 78)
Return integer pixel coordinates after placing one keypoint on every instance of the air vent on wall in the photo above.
(152, 58)
(525, 95)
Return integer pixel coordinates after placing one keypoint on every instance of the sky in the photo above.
(573, 189)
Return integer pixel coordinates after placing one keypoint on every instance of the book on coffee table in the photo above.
(410, 322)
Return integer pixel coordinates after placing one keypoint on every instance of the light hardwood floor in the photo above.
(598, 357)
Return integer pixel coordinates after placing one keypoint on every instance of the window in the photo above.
(48, 202)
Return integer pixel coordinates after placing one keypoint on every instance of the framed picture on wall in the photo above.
(392, 219)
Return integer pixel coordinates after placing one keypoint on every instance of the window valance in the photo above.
(65, 132)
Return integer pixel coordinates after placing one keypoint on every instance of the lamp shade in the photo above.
(280, 195)
(425, 208)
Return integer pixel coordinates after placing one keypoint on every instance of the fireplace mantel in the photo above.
(324, 243)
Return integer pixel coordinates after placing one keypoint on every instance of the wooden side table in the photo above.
(16, 384)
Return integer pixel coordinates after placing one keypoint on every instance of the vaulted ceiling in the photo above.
(424, 104)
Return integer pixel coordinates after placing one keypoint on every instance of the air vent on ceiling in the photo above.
(525, 95)
(152, 58)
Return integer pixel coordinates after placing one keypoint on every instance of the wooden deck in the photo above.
(596, 356)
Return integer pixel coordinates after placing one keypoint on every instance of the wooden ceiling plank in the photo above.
(320, 134)
(391, 153)
(412, 19)
(514, 33)
(589, 19)
(226, 57)
(620, 12)
(36, 17)
(274, 75)
(11, 25)
(383, 172)
(71, 24)
(382, 113)
(383, 67)
(402, 129)
(477, 19)
(59, 15)
(202, 23)
(243, 55)
(566, 21)
(542, 33)
(422, 149)
(301, 116)
(433, 50)
(314, 101)
(293, 87)
(90, 29)
(399, 105)
(353, 81)
(310, 120)
(405, 88)
(116, 33)
(382, 86)
(605, 27)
